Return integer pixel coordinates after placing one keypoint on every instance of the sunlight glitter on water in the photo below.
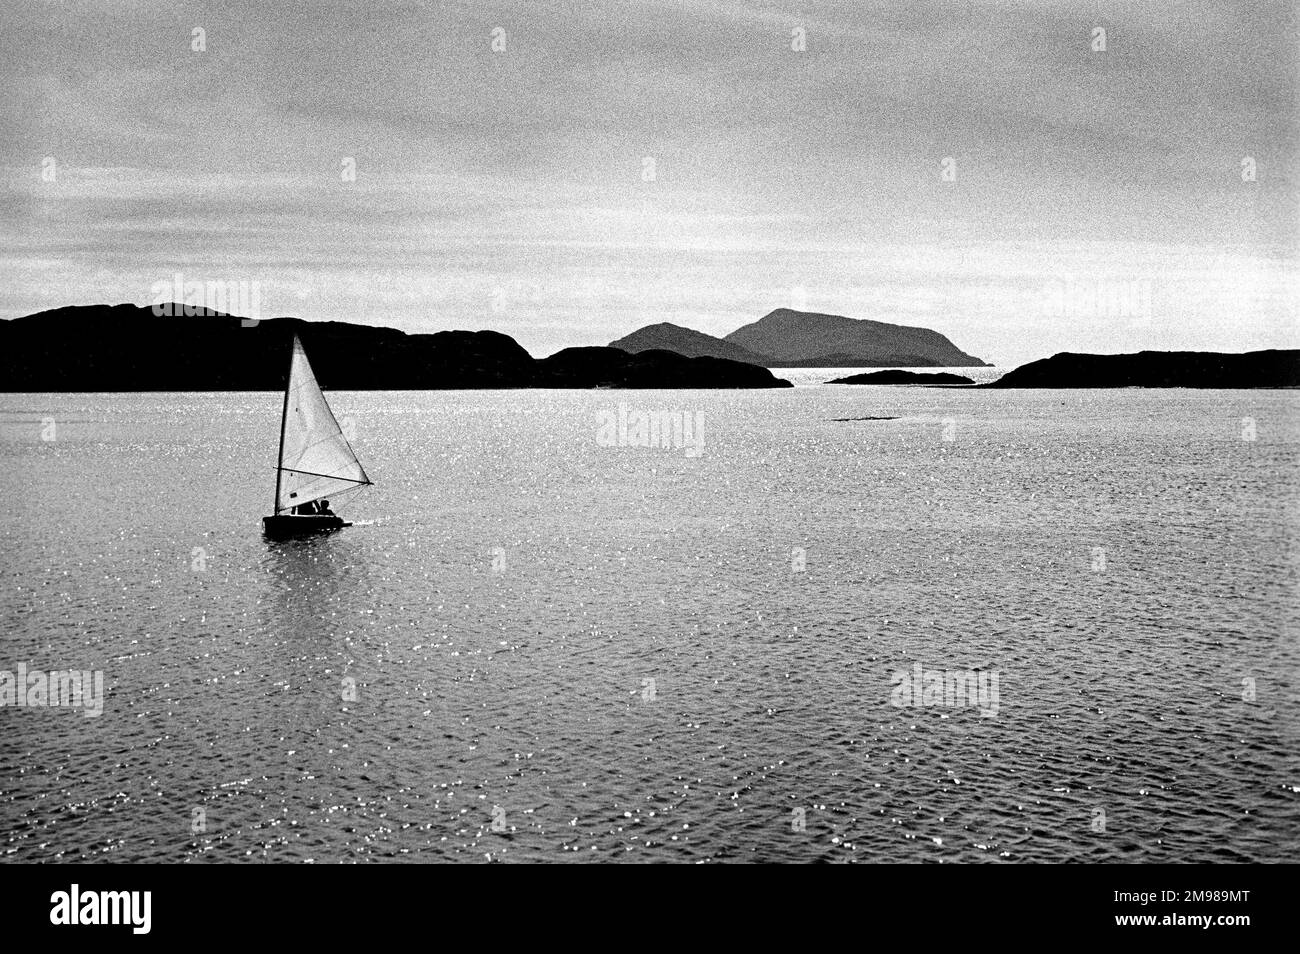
(559, 649)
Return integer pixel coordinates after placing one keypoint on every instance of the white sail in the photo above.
(315, 458)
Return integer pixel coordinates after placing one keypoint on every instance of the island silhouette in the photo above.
(786, 338)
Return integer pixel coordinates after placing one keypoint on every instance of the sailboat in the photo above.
(316, 460)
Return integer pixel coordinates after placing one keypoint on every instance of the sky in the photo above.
(1024, 177)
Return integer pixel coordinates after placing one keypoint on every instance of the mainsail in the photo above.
(315, 458)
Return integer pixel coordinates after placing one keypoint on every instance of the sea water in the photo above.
(537, 644)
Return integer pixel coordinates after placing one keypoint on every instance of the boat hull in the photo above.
(284, 526)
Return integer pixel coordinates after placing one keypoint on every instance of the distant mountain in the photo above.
(805, 339)
(1158, 369)
(129, 348)
(902, 377)
(694, 344)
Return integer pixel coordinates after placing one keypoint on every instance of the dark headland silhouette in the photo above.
(1158, 369)
(129, 348)
(786, 338)
(902, 377)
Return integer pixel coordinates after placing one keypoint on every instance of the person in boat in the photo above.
(324, 509)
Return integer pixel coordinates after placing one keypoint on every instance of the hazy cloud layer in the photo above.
(510, 189)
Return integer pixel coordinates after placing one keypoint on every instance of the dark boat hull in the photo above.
(284, 526)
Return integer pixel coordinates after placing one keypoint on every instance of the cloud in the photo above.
(525, 169)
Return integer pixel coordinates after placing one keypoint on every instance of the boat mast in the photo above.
(284, 414)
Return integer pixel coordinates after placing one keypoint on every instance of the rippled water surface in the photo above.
(569, 651)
